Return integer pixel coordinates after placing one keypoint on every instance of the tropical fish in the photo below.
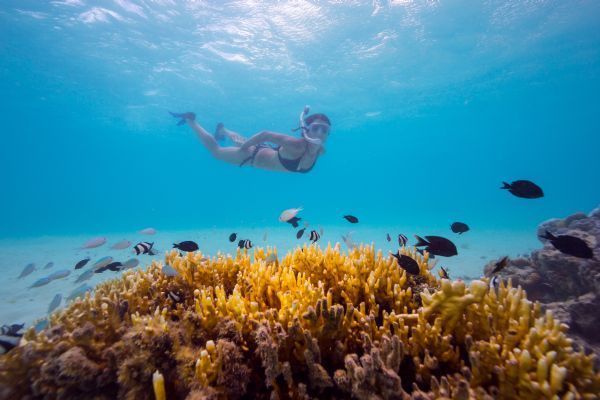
(570, 245)
(93, 243)
(131, 263)
(11, 330)
(11, 338)
(148, 231)
(494, 283)
(500, 265)
(41, 282)
(29, 268)
(188, 246)
(168, 270)
(81, 264)
(402, 240)
(351, 218)
(40, 325)
(289, 214)
(63, 273)
(444, 273)
(103, 262)
(232, 237)
(245, 244)
(123, 244)
(55, 303)
(348, 240)
(143, 248)
(314, 236)
(271, 258)
(175, 297)
(437, 245)
(79, 291)
(113, 266)
(85, 276)
(407, 263)
(459, 227)
(265, 237)
(294, 221)
(388, 237)
(524, 188)
(49, 265)
(300, 233)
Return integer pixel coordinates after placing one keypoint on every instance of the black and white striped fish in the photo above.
(143, 248)
(495, 283)
(175, 298)
(314, 236)
(245, 244)
(402, 240)
(10, 337)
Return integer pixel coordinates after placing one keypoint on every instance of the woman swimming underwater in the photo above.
(268, 150)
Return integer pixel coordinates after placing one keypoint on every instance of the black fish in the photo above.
(10, 337)
(402, 240)
(144, 248)
(11, 330)
(444, 273)
(232, 237)
(188, 245)
(245, 244)
(300, 233)
(525, 189)
(351, 218)
(459, 227)
(407, 263)
(314, 236)
(500, 265)
(387, 236)
(82, 263)
(437, 245)
(294, 221)
(114, 266)
(570, 245)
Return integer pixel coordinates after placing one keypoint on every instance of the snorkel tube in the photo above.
(304, 128)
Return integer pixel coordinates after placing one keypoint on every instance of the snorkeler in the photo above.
(267, 150)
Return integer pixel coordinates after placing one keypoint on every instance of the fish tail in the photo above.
(505, 185)
(548, 236)
(420, 241)
(174, 245)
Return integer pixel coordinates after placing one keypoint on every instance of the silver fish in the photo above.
(79, 291)
(168, 270)
(40, 325)
(348, 241)
(271, 258)
(29, 268)
(49, 265)
(95, 242)
(131, 263)
(103, 262)
(85, 276)
(148, 231)
(41, 282)
(63, 273)
(123, 244)
(55, 303)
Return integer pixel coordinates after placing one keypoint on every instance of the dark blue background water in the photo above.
(433, 105)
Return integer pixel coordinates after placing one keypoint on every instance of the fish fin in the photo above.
(505, 185)
(548, 236)
(175, 245)
(421, 241)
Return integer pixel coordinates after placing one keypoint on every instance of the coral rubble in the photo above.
(314, 324)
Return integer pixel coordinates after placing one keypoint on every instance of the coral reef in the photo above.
(314, 324)
(567, 285)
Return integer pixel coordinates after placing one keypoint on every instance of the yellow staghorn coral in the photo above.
(316, 323)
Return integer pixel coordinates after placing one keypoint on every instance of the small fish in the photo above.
(407, 263)
(113, 266)
(123, 244)
(49, 265)
(265, 237)
(81, 264)
(175, 298)
(188, 246)
(40, 325)
(232, 237)
(300, 233)
(168, 270)
(500, 265)
(93, 243)
(494, 283)
(402, 240)
(41, 282)
(437, 245)
(524, 188)
(294, 221)
(143, 248)
(314, 236)
(444, 273)
(289, 214)
(245, 244)
(348, 241)
(271, 259)
(388, 237)
(570, 245)
(148, 231)
(63, 273)
(103, 262)
(85, 276)
(79, 291)
(29, 268)
(320, 230)
(131, 263)
(54, 303)
(11, 330)
(459, 227)
(11, 338)
(351, 218)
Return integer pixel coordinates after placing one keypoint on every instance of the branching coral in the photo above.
(317, 323)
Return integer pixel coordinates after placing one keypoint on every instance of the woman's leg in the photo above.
(222, 132)
(233, 155)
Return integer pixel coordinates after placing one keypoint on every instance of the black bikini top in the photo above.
(292, 165)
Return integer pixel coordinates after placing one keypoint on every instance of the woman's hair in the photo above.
(317, 117)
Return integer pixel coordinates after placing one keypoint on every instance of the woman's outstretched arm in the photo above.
(271, 137)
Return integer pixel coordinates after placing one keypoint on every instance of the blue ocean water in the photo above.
(433, 104)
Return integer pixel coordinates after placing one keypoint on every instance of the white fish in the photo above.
(85, 276)
(148, 231)
(49, 265)
(289, 214)
(95, 242)
(123, 244)
(41, 282)
(131, 263)
(54, 303)
(103, 262)
(29, 268)
(40, 325)
(168, 270)
(79, 291)
(348, 241)
(63, 273)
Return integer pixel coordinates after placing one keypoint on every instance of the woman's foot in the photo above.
(188, 116)
(220, 132)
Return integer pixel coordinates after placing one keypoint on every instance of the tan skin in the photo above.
(266, 158)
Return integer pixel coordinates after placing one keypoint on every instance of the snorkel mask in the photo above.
(315, 125)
